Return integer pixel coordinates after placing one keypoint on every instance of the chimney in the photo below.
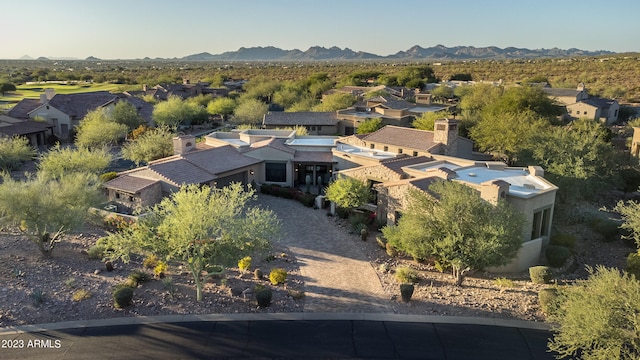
(183, 144)
(494, 190)
(185, 82)
(536, 171)
(145, 87)
(43, 98)
(446, 133)
(50, 93)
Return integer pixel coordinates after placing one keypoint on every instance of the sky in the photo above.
(133, 29)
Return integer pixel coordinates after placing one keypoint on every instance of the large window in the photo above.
(275, 172)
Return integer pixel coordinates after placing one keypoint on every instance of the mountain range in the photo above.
(434, 53)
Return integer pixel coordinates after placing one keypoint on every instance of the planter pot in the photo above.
(406, 291)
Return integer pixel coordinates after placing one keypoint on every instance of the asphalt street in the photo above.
(278, 339)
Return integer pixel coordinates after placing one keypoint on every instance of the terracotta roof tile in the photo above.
(130, 184)
(403, 137)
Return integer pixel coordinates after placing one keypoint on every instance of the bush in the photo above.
(557, 255)
(150, 262)
(307, 200)
(342, 213)
(160, 269)
(245, 263)
(406, 291)
(277, 276)
(633, 265)
(540, 274)
(562, 239)
(96, 252)
(504, 283)
(391, 251)
(548, 300)
(609, 229)
(37, 296)
(108, 176)
(139, 276)
(358, 219)
(405, 274)
(81, 294)
(263, 297)
(122, 297)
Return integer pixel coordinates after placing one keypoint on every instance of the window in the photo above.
(578, 112)
(415, 153)
(117, 195)
(541, 222)
(399, 151)
(386, 148)
(372, 146)
(275, 172)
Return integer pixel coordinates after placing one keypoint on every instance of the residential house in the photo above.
(138, 188)
(36, 132)
(524, 188)
(391, 110)
(567, 96)
(600, 109)
(392, 141)
(287, 159)
(65, 111)
(316, 123)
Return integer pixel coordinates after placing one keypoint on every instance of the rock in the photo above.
(96, 272)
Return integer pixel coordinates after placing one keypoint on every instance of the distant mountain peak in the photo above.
(416, 52)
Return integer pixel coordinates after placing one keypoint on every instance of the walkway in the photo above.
(338, 277)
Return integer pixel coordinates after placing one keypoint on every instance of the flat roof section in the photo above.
(369, 153)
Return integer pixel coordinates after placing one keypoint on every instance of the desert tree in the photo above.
(153, 144)
(14, 151)
(369, 126)
(222, 106)
(348, 193)
(45, 209)
(126, 113)
(426, 121)
(335, 102)
(201, 227)
(60, 161)
(98, 129)
(250, 111)
(454, 225)
(597, 318)
(176, 111)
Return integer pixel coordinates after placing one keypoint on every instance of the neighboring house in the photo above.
(36, 132)
(65, 111)
(600, 109)
(185, 90)
(391, 110)
(392, 141)
(360, 91)
(138, 188)
(287, 159)
(567, 96)
(316, 123)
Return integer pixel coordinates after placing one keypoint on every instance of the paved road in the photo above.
(265, 336)
(338, 277)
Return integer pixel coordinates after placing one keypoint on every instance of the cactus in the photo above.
(257, 274)
(406, 291)
(122, 297)
(263, 297)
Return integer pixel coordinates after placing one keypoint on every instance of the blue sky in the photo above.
(130, 29)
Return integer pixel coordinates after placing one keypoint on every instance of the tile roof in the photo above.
(220, 159)
(391, 102)
(22, 109)
(396, 164)
(561, 92)
(11, 126)
(403, 137)
(599, 102)
(179, 171)
(273, 143)
(78, 105)
(281, 118)
(130, 184)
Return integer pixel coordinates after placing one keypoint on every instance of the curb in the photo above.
(275, 317)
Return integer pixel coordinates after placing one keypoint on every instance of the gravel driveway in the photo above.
(338, 277)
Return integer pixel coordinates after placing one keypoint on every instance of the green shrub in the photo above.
(382, 241)
(406, 291)
(81, 294)
(277, 276)
(359, 227)
(263, 297)
(504, 282)
(548, 300)
(37, 296)
(562, 239)
(557, 255)
(160, 269)
(633, 264)
(245, 263)
(358, 219)
(391, 251)
(122, 297)
(540, 274)
(342, 213)
(139, 276)
(609, 229)
(108, 176)
(150, 262)
(307, 200)
(405, 274)
(96, 252)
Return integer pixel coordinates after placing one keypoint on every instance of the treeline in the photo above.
(612, 77)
